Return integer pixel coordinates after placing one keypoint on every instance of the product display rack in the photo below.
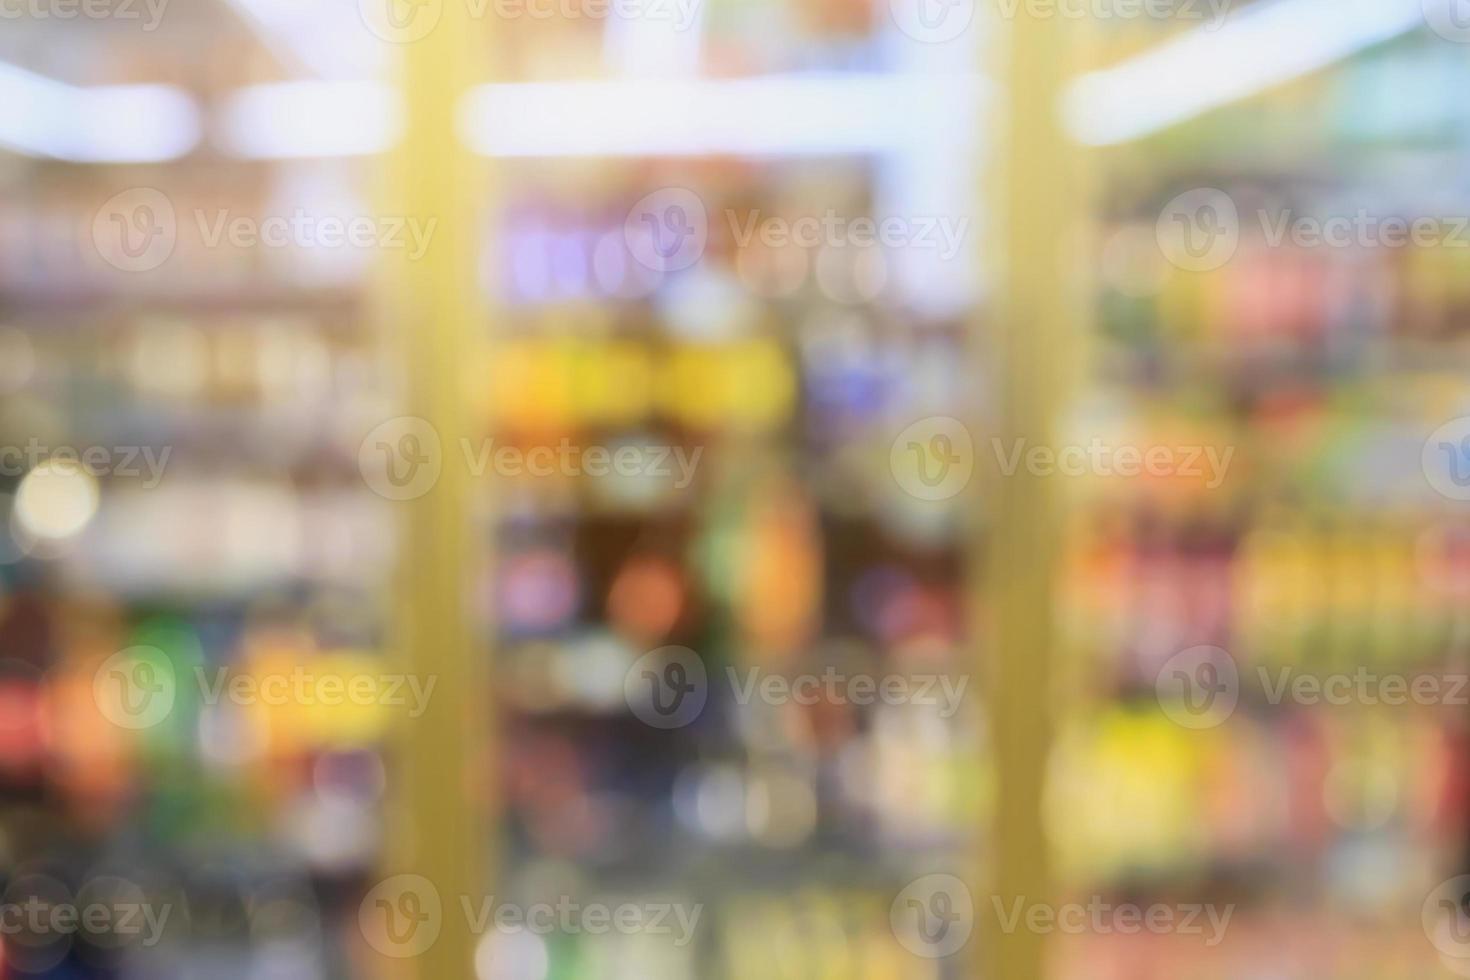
(794, 397)
(232, 537)
(1323, 551)
(792, 547)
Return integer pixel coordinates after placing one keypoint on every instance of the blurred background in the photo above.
(551, 489)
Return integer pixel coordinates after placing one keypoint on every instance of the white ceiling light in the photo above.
(291, 120)
(785, 115)
(101, 124)
(781, 115)
(1258, 47)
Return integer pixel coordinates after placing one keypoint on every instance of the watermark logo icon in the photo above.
(136, 231)
(401, 916)
(401, 21)
(1199, 687)
(135, 688)
(667, 688)
(668, 230)
(1450, 19)
(933, 21)
(1199, 230)
(934, 458)
(401, 459)
(1446, 920)
(1446, 459)
(933, 916)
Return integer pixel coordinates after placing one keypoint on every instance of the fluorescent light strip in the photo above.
(1271, 42)
(784, 115)
(292, 120)
(779, 116)
(102, 124)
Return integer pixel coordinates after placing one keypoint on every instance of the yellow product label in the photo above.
(693, 388)
(615, 383)
(311, 701)
(760, 385)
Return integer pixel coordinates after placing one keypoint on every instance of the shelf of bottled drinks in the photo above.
(232, 534)
(1321, 550)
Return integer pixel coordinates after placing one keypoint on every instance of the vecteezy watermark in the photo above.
(937, 233)
(1198, 687)
(1098, 917)
(1362, 229)
(667, 230)
(933, 916)
(1200, 230)
(1098, 458)
(1362, 686)
(832, 686)
(403, 916)
(933, 21)
(933, 458)
(311, 689)
(1211, 13)
(567, 459)
(1201, 687)
(121, 462)
(1450, 19)
(138, 230)
(1445, 917)
(407, 21)
(302, 229)
(1446, 459)
(669, 687)
(41, 918)
(403, 458)
(150, 12)
(137, 688)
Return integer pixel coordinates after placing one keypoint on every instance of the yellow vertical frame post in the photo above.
(1037, 330)
(436, 326)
